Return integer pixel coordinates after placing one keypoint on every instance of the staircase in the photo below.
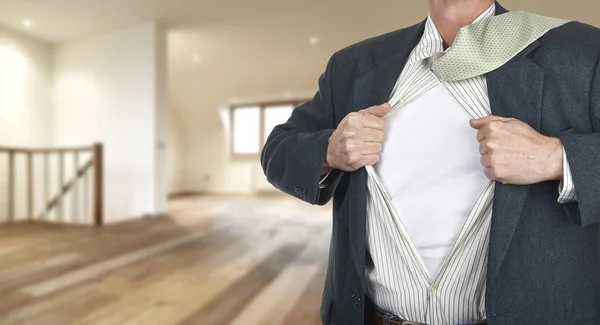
(52, 185)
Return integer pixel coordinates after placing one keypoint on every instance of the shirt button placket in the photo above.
(432, 304)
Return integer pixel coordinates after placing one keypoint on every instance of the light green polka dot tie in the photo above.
(488, 44)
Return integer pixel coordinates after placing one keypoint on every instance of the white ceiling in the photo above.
(62, 20)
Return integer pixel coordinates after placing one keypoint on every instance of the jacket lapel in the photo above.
(378, 75)
(375, 85)
(499, 9)
(515, 90)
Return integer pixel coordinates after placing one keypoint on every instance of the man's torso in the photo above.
(530, 282)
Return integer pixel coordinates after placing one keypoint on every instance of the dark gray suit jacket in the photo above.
(544, 257)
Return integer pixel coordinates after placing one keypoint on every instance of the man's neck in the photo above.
(450, 15)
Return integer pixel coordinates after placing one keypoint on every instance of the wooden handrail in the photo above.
(56, 202)
(46, 150)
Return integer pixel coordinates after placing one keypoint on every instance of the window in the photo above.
(246, 121)
(252, 124)
(275, 115)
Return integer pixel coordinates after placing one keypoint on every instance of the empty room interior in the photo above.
(131, 187)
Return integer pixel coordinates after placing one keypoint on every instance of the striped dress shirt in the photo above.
(397, 279)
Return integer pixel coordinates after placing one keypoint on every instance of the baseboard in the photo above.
(184, 194)
(188, 194)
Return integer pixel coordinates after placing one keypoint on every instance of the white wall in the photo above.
(24, 107)
(161, 121)
(24, 90)
(242, 60)
(109, 89)
(176, 149)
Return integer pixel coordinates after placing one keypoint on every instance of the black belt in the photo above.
(376, 316)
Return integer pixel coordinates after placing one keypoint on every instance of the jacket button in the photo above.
(356, 300)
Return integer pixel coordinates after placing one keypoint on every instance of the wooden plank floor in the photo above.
(213, 261)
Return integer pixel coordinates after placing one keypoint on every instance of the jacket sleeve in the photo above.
(295, 151)
(583, 152)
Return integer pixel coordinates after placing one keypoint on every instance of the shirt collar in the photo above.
(431, 42)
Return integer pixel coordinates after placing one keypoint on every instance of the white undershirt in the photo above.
(430, 169)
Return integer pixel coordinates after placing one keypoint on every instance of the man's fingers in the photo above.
(371, 135)
(479, 123)
(371, 148)
(485, 162)
(371, 121)
(483, 148)
(371, 117)
(379, 110)
(481, 135)
(489, 174)
(370, 160)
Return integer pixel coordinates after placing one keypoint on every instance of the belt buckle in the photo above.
(389, 318)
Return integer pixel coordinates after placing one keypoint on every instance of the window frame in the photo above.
(262, 107)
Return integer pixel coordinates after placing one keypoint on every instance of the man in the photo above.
(424, 238)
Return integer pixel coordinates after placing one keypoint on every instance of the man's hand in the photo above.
(358, 139)
(514, 153)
